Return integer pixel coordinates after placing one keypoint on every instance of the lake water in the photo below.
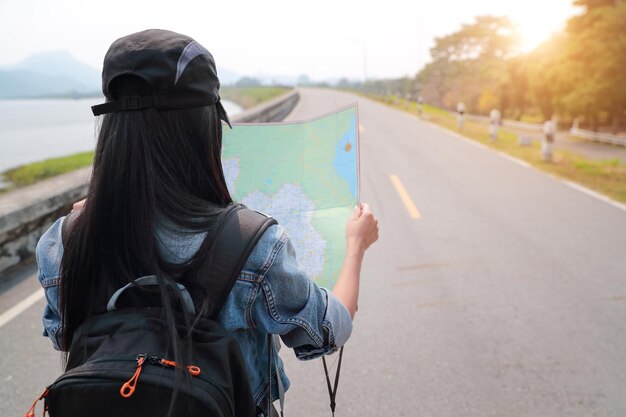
(34, 130)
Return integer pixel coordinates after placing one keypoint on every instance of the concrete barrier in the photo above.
(26, 213)
(272, 111)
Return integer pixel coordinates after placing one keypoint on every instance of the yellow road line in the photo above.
(408, 203)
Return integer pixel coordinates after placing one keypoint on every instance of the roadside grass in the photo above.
(607, 176)
(536, 118)
(31, 173)
(248, 97)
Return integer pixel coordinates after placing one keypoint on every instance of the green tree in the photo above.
(514, 94)
(489, 37)
(594, 4)
(594, 66)
(545, 64)
(580, 72)
(469, 64)
(248, 82)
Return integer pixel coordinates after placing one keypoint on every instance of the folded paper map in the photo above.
(304, 174)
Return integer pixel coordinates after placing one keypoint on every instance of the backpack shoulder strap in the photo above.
(241, 230)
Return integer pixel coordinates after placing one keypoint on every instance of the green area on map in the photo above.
(304, 174)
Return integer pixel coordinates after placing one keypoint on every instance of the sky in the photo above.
(324, 39)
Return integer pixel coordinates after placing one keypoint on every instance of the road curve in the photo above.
(505, 296)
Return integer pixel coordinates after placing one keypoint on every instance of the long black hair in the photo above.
(149, 164)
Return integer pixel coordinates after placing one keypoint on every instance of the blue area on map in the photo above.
(345, 161)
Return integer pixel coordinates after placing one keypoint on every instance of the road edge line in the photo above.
(593, 193)
(20, 307)
(570, 184)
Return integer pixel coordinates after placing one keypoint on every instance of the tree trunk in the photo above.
(616, 117)
(521, 111)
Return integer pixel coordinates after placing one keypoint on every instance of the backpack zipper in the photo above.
(129, 386)
(140, 361)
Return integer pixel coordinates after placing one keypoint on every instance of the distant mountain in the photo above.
(26, 84)
(48, 74)
(62, 63)
(59, 74)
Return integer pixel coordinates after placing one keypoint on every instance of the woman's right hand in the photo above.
(361, 232)
(362, 229)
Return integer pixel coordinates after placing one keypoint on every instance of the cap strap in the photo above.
(144, 102)
(124, 103)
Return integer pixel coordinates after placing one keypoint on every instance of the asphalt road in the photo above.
(506, 296)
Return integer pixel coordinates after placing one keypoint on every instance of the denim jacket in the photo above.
(272, 295)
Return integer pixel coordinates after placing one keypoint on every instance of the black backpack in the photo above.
(119, 364)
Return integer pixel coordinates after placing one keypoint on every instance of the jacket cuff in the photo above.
(340, 322)
(337, 328)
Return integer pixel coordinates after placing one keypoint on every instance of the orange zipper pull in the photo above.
(192, 369)
(166, 362)
(31, 410)
(128, 388)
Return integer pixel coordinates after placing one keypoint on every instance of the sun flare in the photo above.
(535, 28)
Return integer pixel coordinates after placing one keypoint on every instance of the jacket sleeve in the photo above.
(309, 319)
(49, 253)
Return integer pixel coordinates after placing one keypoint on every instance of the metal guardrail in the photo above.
(474, 117)
(536, 127)
(597, 137)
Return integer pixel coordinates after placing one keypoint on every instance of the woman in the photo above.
(157, 193)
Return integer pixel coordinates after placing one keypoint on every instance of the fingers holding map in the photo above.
(304, 174)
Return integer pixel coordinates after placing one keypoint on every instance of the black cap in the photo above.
(180, 71)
